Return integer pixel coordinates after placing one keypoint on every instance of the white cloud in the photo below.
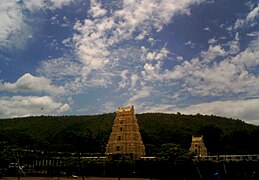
(100, 37)
(124, 79)
(54, 4)
(68, 72)
(213, 52)
(134, 79)
(190, 44)
(59, 68)
(96, 10)
(234, 45)
(128, 80)
(18, 106)
(246, 109)
(140, 94)
(151, 40)
(151, 72)
(33, 5)
(239, 23)
(36, 5)
(253, 34)
(15, 28)
(142, 35)
(153, 62)
(179, 58)
(212, 41)
(151, 108)
(156, 55)
(63, 108)
(29, 83)
(222, 79)
(154, 13)
(249, 20)
(239, 109)
(91, 46)
(215, 72)
(108, 107)
(254, 44)
(253, 14)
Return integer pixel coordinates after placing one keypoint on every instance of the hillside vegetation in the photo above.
(90, 134)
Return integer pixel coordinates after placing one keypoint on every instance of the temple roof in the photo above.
(197, 138)
(121, 109)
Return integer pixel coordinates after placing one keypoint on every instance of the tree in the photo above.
(173, 152)
(212, 138)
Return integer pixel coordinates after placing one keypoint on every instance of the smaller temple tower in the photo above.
(198, 146)
(125, 138)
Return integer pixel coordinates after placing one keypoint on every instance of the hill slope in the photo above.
(91, 133)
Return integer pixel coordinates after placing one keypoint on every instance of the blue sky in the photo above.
(74, 57)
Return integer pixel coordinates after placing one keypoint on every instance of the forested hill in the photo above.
(91, 133)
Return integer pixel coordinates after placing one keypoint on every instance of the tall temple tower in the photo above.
(198, 146)
(125, 138)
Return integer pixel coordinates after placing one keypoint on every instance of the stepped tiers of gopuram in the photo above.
(125, 138)
(198, 146)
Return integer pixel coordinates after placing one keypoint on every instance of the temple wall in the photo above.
(198, 146)
(125, 137)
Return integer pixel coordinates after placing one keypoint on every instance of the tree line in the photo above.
(89, 134)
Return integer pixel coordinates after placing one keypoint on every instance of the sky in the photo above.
(85, 57)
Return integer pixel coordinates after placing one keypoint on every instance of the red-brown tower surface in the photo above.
(125, 138)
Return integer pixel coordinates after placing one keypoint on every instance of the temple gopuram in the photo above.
(198, 146)
(125, 138)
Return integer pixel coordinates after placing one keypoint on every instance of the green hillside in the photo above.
(91, 133)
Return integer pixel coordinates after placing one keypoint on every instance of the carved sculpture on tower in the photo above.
(125, 138)
(198, 146)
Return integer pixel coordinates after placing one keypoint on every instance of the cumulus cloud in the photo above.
(17, 106)
(30, 83)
